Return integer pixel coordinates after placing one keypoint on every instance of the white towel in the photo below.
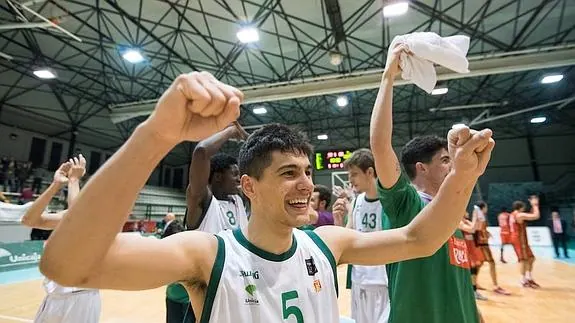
(429, 48)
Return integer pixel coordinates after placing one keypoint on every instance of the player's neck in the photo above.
(271, 237)
(425, 186)
(371, 193)
(219, 194)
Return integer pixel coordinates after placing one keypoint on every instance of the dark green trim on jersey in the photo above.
(262, 253)
(215, 277)
(348, 277)
(323, 247)
(371, 200)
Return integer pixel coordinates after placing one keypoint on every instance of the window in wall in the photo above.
(167, 177)
(55, 156)
(95, 158)
(178, 176)
(37, 151)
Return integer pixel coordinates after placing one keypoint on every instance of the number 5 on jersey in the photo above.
(291, 310)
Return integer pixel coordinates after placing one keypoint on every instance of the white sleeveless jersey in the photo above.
(224, 215)
(368, 217)
(249, 285)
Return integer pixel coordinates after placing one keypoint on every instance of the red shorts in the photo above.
(522, 250)
(475, 254)
(506, 239)
(486, 252)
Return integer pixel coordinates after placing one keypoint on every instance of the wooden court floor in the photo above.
(555, 302)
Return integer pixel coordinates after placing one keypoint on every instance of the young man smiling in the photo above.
(296, 277)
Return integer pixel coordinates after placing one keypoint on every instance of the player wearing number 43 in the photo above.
(296, 270)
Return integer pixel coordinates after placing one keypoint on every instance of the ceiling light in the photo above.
(538, 119)
(458, 125)
(335, 58)
(342, 101)
(248, 35)
(551, 78)
(395, 9)
(322, 137)
(439, 91)
(45, 73)
(260, 110)
(133, 56)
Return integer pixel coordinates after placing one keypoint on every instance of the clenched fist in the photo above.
(470, 151)
(194, 107)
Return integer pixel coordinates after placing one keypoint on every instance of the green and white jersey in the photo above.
(368, 217)
(250, 285)
(224, 215)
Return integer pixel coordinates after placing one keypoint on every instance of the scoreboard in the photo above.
(332, 159)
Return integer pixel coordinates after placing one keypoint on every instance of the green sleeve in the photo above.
(401, 203)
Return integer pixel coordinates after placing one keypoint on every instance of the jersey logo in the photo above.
(317, 285)
(249, 273)
(310, 265)
(251, 300)
(458, 253)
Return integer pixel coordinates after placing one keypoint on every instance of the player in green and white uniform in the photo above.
(369, 294)
(276, 177)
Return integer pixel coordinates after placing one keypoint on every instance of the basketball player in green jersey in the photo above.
(437, 288)
(369, 294)
(267, 271)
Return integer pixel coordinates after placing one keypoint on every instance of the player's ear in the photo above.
(247, 184)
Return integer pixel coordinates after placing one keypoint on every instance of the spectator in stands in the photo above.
(37, 179)
(4, 173)
(3, 198)
(22, 173)
(320, 200)
(558, 228)
(172, 225)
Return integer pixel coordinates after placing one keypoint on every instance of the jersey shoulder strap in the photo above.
(214, 282)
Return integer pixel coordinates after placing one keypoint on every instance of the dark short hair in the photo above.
(518, 205)
(324, 193)
(256, 153)
(362, 159)
(219, 163)
(481, 204)
(420, 149)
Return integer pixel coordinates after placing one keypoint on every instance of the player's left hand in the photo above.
(61, 174)
(78, 167)
(340, 209)
(470, 151)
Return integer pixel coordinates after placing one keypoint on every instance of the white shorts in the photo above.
(80, 306)
(370, 304)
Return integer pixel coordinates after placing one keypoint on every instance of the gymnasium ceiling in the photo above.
(296, 38)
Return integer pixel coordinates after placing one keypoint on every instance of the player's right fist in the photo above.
(339, 210)
(195, 106)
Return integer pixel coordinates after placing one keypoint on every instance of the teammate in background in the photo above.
(504, 231)
(213, 204)
(320, 199)
(63, 304)
(369, 294)
(437, 288)
(259, 273)
(519, 238)
(474, 254)
(482, 242)
(212, 196)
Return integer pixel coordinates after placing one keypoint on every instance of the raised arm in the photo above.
(86, 249)
(77, 170)
(36, 217)
(198, 195)
(534, 215)
(431, 228)
(381, 124)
